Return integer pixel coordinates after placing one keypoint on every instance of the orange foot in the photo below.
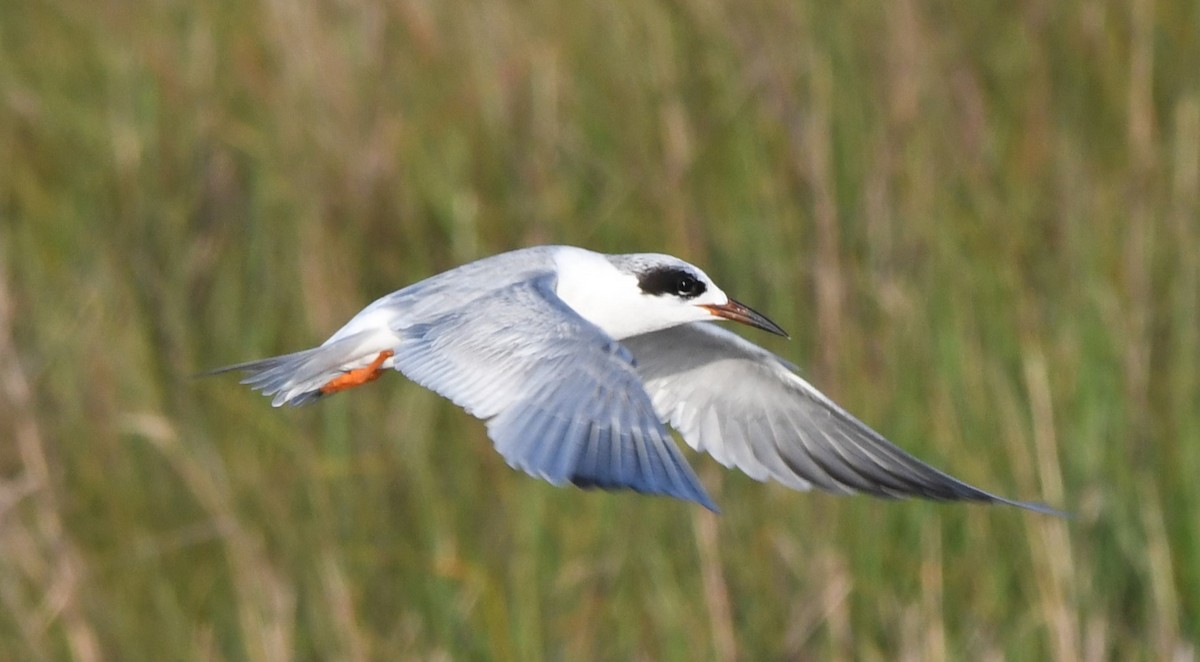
(357, 376)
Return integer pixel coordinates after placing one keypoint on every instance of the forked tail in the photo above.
(301, 377)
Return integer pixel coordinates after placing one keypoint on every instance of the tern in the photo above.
(578, 360)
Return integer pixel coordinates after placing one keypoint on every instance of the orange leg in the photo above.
(357, 376)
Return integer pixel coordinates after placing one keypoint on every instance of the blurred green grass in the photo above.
(979, 220)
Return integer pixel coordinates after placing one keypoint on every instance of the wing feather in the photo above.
(561, 398)
(748, 409)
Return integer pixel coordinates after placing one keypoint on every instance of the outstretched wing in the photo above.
(561, 398)
(747, 408)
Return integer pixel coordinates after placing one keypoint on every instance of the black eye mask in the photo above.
(673, 281)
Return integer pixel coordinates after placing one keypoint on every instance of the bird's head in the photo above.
(628, 295)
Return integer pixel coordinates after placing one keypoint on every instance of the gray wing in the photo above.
(561, 398)
(748, 409)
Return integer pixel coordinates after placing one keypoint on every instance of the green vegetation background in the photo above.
(980, 220)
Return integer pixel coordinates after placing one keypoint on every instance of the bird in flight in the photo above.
(578, 360)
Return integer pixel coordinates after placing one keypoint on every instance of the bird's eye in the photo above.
(686, 286)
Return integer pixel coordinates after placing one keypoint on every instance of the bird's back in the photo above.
(438, 295)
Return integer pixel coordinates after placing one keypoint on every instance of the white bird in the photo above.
(577, 359)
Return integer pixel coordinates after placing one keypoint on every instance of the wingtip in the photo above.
(700, 497)
(1040, 508)
(710, 506)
